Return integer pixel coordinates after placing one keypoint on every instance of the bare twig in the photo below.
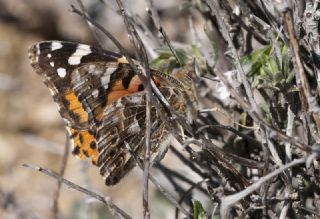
(183, 178)
(146, 211)
(43, 144)
(154, 87)
(198, 184)
(55, 208)
(214, 5)
(114, 210)
(159, 187)
(90, 25)
(104, 31)
(289, 132)
(279, 134)
(156, 21)
(204, 51)
(141, 54)
(308, 101)
(230, 200)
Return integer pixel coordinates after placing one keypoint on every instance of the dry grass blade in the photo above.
(114, 210)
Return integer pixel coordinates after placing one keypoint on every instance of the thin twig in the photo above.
(55, 208)
(155, 90)
(146, 210)
(230, 200)
(198, 184)
(203, 50)
(114, 210)
(103, 30)
(133, 66)
(244, 104)
(156, 21)
(159, 187)
(170, 197)
(142, 56)
(214, 5)
(231, 129)
(90, 25)
(180, 176)
(289, 132)
(308, 101)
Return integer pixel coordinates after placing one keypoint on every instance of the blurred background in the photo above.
(31, 130)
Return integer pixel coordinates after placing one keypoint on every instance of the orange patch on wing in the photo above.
(118, 90)
(136, 82)
(76, 106)
(84, 144)
(156, 80)
(115, 95)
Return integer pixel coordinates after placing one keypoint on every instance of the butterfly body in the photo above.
(103, 101)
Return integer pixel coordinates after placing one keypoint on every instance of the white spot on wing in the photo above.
(136, 99)
(61, 72)
(82, 50)
(38, 49)
(56, 45)
(52, 64)
(49, 55)
(37, 52)
(95, 93)
(134, 127)
(110, 70)
(77, 77)
(119, 104)
(92, 69)
(105, 79)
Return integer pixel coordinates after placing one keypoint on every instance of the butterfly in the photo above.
(103, 103)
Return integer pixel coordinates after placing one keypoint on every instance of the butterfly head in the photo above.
(186, 79)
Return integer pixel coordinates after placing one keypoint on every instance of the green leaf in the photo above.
(198, 210)
(166, 61)
(267, 70)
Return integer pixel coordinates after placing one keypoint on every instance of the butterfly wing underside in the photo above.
(102, 103)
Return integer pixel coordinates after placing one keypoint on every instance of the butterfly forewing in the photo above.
(57, 63)
(60, 65)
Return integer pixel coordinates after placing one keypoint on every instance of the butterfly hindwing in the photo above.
(122, 129)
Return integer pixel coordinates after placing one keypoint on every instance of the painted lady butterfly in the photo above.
(102, 102)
